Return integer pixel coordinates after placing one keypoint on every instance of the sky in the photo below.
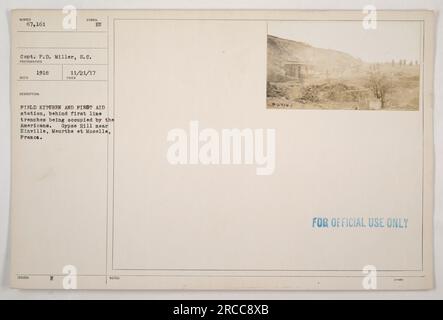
(391, 40)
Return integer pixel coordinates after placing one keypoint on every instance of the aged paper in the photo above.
(287, 150)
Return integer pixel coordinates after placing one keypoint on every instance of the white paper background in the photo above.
(5, 5)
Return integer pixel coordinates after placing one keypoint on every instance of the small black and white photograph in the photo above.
(340, 65)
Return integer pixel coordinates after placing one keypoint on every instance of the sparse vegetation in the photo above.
(380, 86)
(336, 80)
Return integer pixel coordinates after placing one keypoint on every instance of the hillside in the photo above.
(280, 51)
(301, 76)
